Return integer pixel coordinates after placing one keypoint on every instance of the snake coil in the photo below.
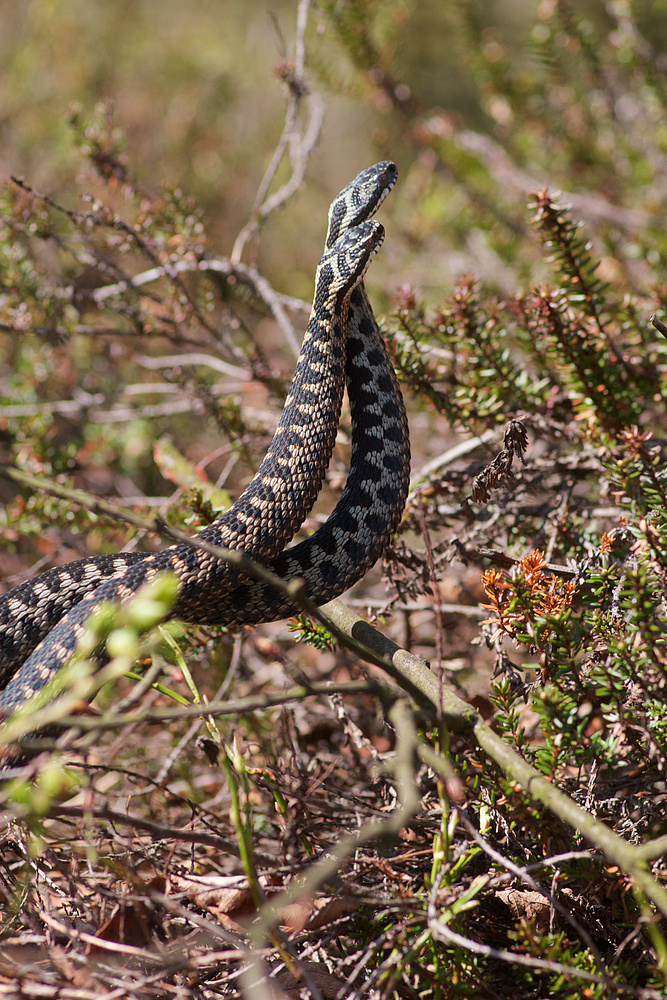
(42, 619)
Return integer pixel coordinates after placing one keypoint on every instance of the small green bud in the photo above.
(103, 619)
(153, 602)
(124, 642)
(54, 779)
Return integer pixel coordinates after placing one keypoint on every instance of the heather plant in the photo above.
(319, 805)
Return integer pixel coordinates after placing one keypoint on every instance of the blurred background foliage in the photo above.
(478, 102)
(502, 306)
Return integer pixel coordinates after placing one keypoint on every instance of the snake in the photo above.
(42, 619)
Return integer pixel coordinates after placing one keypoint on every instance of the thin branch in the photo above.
(158, 831)
(449, 456)
(413, 673)
(328, 866)
(525, 876)
(193, 358)
(220, 265)
(414, 676)
(275, 302)
(442, 932)
(241, 706)
(300, 145)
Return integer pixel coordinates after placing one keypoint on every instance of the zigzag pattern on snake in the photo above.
(38, 604)
(330, 560)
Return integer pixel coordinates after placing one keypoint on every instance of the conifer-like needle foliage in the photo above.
(283, 809)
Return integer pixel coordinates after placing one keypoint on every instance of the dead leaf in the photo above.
(526, 905)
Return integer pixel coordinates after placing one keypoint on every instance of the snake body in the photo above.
(372, 502)
(43, 618)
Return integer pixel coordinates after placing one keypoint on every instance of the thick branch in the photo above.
(413, 675)
(412, 672)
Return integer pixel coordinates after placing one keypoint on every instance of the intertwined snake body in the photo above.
(41, 620)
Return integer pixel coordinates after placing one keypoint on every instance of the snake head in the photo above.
(343, 266)
(361, 198)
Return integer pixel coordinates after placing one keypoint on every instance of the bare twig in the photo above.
(253, 703)
(300, 144)
(413, 673)
(157, 831)
(441, 931)
(447, 457)
(249, 276)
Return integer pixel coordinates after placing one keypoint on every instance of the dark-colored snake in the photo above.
(42, 619)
